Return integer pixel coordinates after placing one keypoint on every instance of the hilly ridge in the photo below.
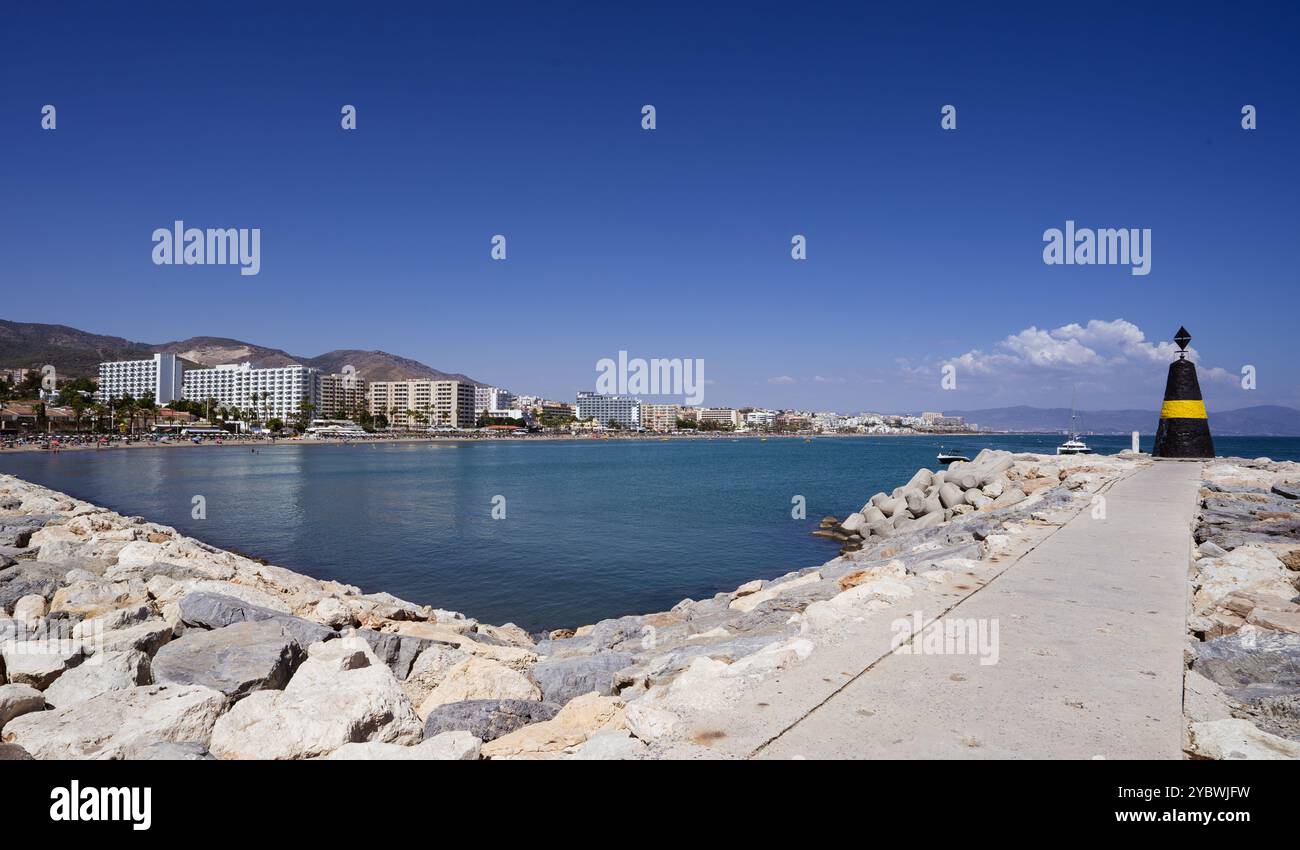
(1265, 420)
(77, 353)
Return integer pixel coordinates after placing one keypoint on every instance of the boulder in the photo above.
(17, 700)
(884, 528)
(1278, 621)
(235, 660)
(1251, 663)
(429, 669)
(771, 591)
(214, 611)
(38, 662)
(90, 598)
(19, 587)
(341, 694)
(333, 613)
(139, 553)
(106, 671)
(562, 679)
(573, 725)
(915, 501)
(950, 495)
(650, 723)
(1287, 490)
(56, 543)
(478, 678)
(147, 637)
(448, 746)
(853, 522)
(17, 531)
(30, 608)
(1009, 497)
(610, 745)
(922, 479)
(487, 719)
(930, 520)
(891, 506)
(1238, 739)
(1252, 569)
(397, 651)
(118, 618)
(112, 724)
(13, 752)
(1210, 549)
(995, 488)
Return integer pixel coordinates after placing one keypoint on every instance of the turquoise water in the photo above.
(592, 529)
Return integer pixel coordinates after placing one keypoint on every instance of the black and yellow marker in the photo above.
(1184, 429)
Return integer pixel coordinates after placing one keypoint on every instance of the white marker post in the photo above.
(1135, 442)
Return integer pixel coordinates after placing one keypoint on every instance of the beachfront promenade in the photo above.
(1091, 625)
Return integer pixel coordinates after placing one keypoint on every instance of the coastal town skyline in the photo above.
(1042, 364)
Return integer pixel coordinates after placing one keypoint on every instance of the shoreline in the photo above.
(246, 442)
(641, 686)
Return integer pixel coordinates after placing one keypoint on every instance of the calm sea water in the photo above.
(593, 529)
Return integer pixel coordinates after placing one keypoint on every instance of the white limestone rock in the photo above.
(341, 694)
(480, 678)
(1238, 739)
(111, 725)
(108, 671)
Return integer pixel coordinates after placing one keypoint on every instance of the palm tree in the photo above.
(78, 405)
(305, 411)
(148, 408)
(127, 411)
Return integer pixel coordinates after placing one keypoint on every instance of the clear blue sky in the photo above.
(773, 119)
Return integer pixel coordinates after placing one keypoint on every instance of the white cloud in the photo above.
(1113, 357)
(781, 379)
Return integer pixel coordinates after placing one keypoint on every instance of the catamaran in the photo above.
(1074, 445)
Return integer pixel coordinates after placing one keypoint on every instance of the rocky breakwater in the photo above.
(121, 638)
(1242, 685)
(990, 482)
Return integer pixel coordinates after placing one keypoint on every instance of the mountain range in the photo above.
(75, 353)
(1263, 420)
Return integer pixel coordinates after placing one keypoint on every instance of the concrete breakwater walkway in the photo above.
(1091, 625)
(1075, 569)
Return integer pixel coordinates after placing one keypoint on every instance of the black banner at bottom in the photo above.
(148, 800)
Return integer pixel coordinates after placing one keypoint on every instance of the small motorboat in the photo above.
(951, 457)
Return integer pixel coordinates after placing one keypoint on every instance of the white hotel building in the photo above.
(492, 398)
(161, 376)
(603, 409)
(242, 386)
